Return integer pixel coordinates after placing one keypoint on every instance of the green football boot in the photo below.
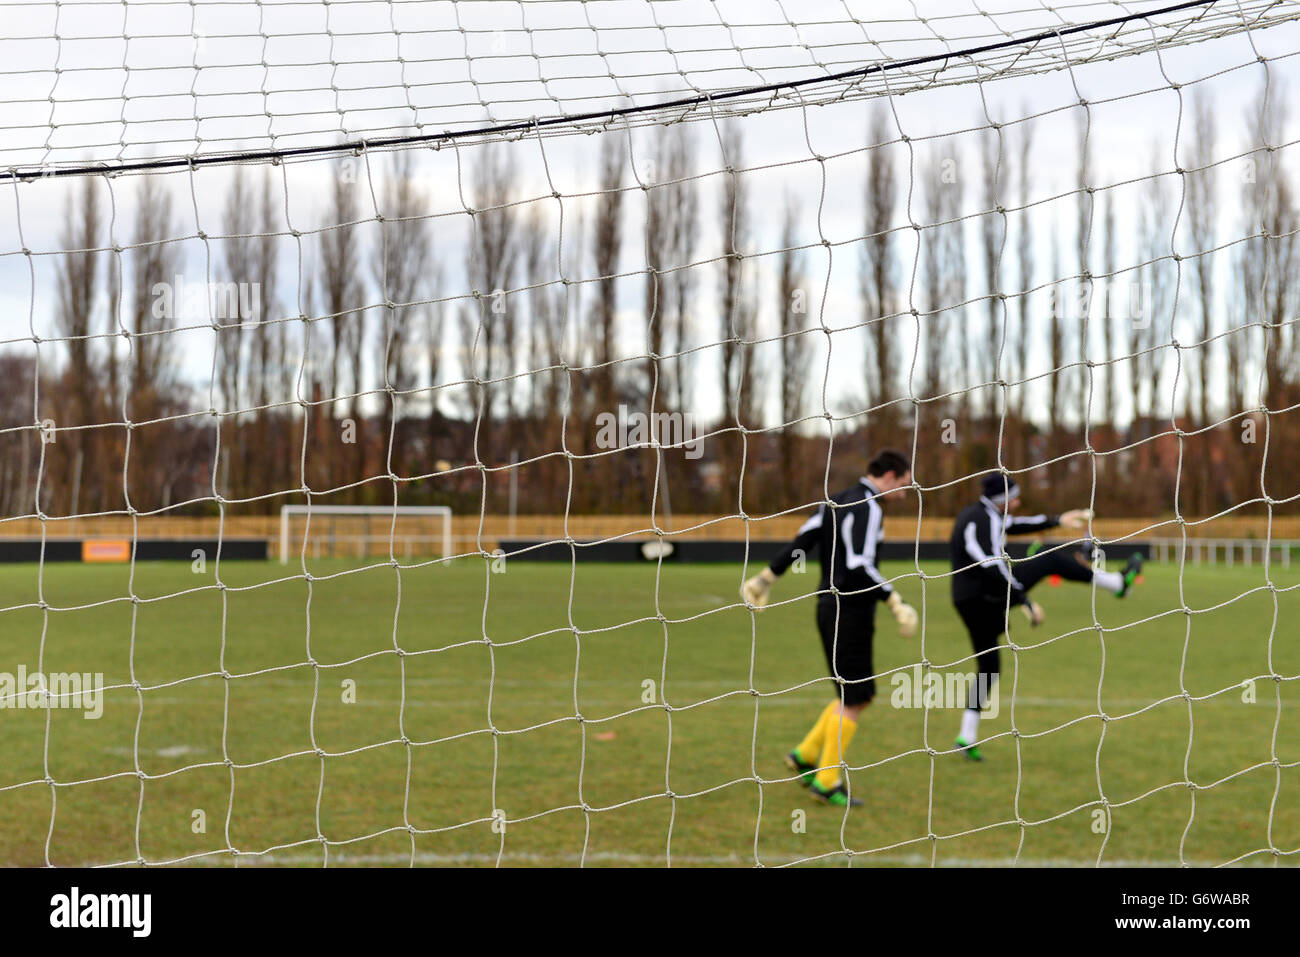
(801, 767)
(971, 751)
(837, 796)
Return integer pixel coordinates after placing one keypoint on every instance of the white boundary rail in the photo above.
(287, 511)
(1230, 551)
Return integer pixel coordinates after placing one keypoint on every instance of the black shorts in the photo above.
(846, 628)
(985, 620)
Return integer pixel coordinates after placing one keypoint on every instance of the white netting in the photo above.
(109, 81)
(851, 227)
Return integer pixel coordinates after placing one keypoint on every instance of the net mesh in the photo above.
(302, 253)
(108, 82)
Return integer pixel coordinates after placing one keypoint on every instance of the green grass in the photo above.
(717, 750)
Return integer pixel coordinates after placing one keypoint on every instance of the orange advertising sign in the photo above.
(106, 551)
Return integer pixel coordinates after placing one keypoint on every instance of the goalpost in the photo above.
(556, 259)
(359, 537)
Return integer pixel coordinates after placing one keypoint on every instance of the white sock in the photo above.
(970, 725)
(1111, 581)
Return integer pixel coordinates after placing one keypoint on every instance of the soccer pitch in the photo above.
(238, 761)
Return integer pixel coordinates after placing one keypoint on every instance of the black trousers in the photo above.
(1072, 562)
(847, 628)
(985, 616)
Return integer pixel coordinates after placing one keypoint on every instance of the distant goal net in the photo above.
(361, 531)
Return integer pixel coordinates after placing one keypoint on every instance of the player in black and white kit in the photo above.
(984, 585)
(845, 532)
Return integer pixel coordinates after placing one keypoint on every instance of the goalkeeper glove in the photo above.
(1076, 518)
(1034, 612)
(904, 614)
(755, 590)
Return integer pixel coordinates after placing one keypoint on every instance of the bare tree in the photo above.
(155, 260)
(671, 203)
(548, 383)
(992, 237)
(400, 267)
(239, 249)
(1056, 343)
(435, 321)
(1085, 211)
(876, 266)
(312, 470)
(952, 262)
(1202, 211)
(77, 279)
(1150, 322)
(546, 308)
(607, 238)
(942, 200)
(1242, 334)
(1271, 257)
(153, 371)
(113, 384)
(1156, 296)
(246, 342)
(682, 204)
(488, 327)
(1105, 313)
(658, 251)
(739, 308)
(1019, 339)
(732, 228)
(265, 460)
(19, 441)
(340, 293)
(792, 307)
(1201, 203)
(1270, 262)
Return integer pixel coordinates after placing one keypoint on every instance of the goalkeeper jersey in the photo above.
(979, 538)
(845, 533)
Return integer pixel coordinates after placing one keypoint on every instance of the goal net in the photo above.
(636, 289)
(365, 531)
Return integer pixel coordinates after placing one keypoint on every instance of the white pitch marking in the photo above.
(172, 751)
(340, 857)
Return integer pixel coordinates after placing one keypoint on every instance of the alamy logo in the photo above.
(222, 300)
(58, 689)
(625, 429)
(76, 909)
(951, 689)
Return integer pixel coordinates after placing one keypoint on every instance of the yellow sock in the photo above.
(810, 748)
(838, 734)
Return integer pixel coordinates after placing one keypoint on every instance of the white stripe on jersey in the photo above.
(812, 523)
(974, 551)
(866, 559)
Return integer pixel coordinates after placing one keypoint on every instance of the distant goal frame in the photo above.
(288, 511)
